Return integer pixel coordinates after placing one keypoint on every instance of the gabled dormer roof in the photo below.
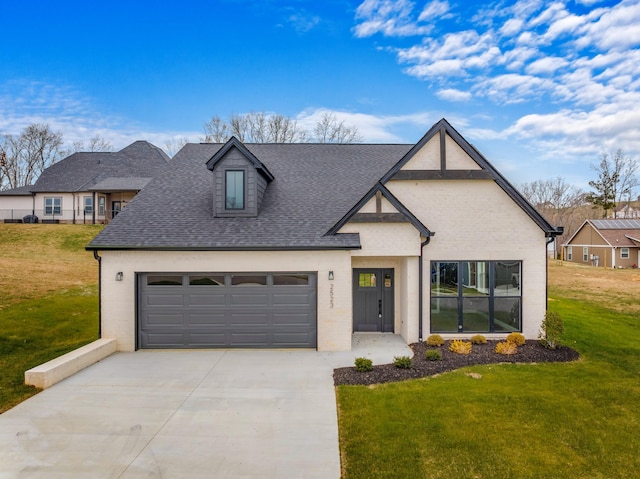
(486, 171)
(235, 143)
(402, 210)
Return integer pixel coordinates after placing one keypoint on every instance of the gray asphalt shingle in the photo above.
(315, 185)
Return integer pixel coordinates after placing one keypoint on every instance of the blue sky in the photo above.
(541, 88)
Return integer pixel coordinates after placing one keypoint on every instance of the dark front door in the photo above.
(373, 300)
(116, 207)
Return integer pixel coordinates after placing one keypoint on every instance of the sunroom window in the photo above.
(475, 296)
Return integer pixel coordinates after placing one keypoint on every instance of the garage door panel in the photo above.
(207, 300)
(165, 300)
(199, 314)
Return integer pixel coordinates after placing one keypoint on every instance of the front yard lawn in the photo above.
(48, 299)
(577, 420)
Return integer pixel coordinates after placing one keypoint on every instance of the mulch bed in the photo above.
(531, 352)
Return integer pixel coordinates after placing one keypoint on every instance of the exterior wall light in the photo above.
(331, 275)
(119, 276)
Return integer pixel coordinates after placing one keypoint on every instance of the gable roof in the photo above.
(443, 128)
(83, 170)
(314, 185)
(615, 232)
(235, 143)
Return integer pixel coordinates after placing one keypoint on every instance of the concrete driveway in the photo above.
(184, 414)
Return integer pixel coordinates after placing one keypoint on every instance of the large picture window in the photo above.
(475, 296)
(234, 189)
(52, 205)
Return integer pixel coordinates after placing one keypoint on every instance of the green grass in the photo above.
(48, 300)
(578, 420)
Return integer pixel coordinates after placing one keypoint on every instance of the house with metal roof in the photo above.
(301, 245)
(86, 187)
(608, 243)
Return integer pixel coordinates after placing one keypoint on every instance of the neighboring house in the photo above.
(300, 245)
(606, 243)
(627, 209)
(15, 204)
(90, 187)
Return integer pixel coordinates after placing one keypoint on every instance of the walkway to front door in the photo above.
(373, 300)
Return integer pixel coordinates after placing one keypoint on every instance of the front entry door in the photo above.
(373, 300)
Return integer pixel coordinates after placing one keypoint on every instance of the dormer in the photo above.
(239, 181)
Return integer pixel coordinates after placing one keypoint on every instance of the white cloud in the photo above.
(451, 94)
(435, 8)
(512, 26)
(546, 65)
(391, 18)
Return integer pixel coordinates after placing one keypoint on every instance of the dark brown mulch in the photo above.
(531, 352)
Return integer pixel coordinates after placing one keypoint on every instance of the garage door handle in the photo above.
(379, 308)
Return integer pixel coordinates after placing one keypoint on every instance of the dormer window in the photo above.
(234, 189)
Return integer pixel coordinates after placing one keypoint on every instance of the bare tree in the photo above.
(175, 144)
(616, 180)
(24, 157)
(260, 127)
(215, 131)
(330, 130)
(97, 143)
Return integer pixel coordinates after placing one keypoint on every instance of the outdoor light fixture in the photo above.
(331, 275)
(119, 276)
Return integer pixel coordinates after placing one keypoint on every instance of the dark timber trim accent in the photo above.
(403, 210)
(443, 175)
(234, 142)
(378, 202)
(443, 128)
(379, 218)
(443, 149)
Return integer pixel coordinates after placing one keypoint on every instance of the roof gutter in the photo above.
(420, 286)
(99, 259)
(221, 248)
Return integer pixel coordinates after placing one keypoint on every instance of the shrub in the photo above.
(459, 346)
(516, 338)
(402, 362)
(433, 355)
(478, 339)
(506, 347)
(364, 365)
(435, 340)
(551, 330)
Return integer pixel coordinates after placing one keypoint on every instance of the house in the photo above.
(627, 209)
(87, 187)
(15, 204)
(608, 243)
(300, 245)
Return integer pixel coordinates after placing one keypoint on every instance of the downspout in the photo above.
(546, 271)
(420, 285)
(99, 259)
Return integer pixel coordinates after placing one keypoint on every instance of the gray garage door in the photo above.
(256, 310)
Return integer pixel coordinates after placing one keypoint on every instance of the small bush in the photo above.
(433, 355)
(478, 339)
(551, 330)
(402, 362)
(435, 340)
(506, 347)
(459, 346)
(364, 365)
(516, 338)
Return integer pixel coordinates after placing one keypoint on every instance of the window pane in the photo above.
(506, 312)
(249, 280)
(207, 280)
(290, 279)
(444, 315)
(507, 279)
(164, 280)
(367, 280)
(234, 190)
(444, 279)
(101, 205)
(475, 315)
(88, 204)
(475, 278)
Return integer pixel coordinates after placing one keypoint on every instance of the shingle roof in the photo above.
(112, 184)
(20, 191)
(618, 233)
(616, 224)
(82, 170)
(315, 185)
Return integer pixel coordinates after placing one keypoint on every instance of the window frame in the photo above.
(53, 209)
(493, 297)
(226, 189)
(88, 210)
(102, 205)
(585, 254)
(569, 253)
(628, 254)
